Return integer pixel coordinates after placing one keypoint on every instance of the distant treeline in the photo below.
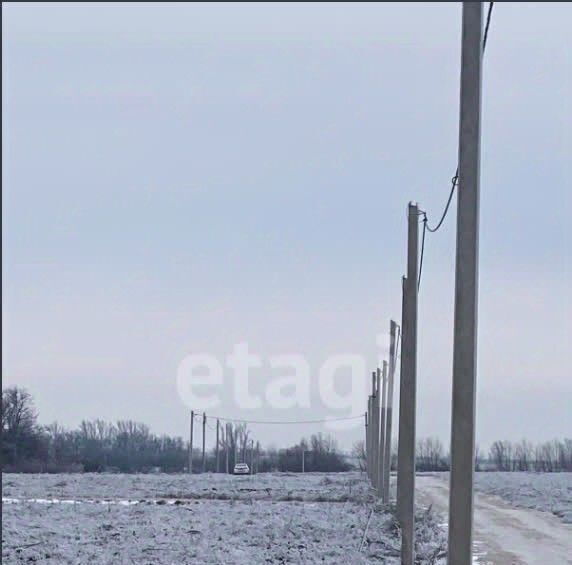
(549, 456)
(128, 446)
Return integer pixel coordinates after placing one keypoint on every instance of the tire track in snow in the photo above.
(504, 534)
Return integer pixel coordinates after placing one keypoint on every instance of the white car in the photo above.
(241, 469)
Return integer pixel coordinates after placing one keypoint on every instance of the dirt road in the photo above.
(503, 534)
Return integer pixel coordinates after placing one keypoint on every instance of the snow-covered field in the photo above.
(504, 534)
(267, 518)
(549, 492)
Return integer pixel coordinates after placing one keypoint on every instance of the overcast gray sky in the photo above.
(179, 178)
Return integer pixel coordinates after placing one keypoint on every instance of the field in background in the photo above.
(549, 492)
(266, 518)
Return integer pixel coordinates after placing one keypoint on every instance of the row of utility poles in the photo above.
(378, 417)
(378, 421)
(252, 453)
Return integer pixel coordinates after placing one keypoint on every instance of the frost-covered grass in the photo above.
(268, 486)
(268, 518)
(549, 492)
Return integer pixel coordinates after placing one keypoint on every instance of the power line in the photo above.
(212, 428)
(487, 25)
(286, 422)
(422, 253)
(454, 183)
(455, 179)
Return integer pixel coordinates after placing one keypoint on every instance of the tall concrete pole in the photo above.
(204, 436)
(375, 428)
(401, 384)
(366, 415)
(367, 427)
(226, 446)
(382, 437)
(217, 446)
(466, 291)
(377, 435)
(369, 434)
(407, 400)
(389, 409)
(191, 443)
(376, 414)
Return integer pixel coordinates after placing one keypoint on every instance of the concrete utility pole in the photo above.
(217, 442)
(399, 485)
(375, 429)
(366, 439)
(368, 443)
(376, 435)
(407, 399)
(368, 430)
(389, 409)
(204, 435)
(191, 443)
(382, 438)
(466, 291)
(226, 446)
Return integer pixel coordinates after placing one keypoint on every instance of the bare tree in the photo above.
(241, 434)
(18, 412)
(358, 453)
(523, 451)
(501, 455)
(430, 454)
(20, 434)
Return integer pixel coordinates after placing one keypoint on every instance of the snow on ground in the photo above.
(549, 492)
(270, 486)
(503, 533)
(266, 518)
